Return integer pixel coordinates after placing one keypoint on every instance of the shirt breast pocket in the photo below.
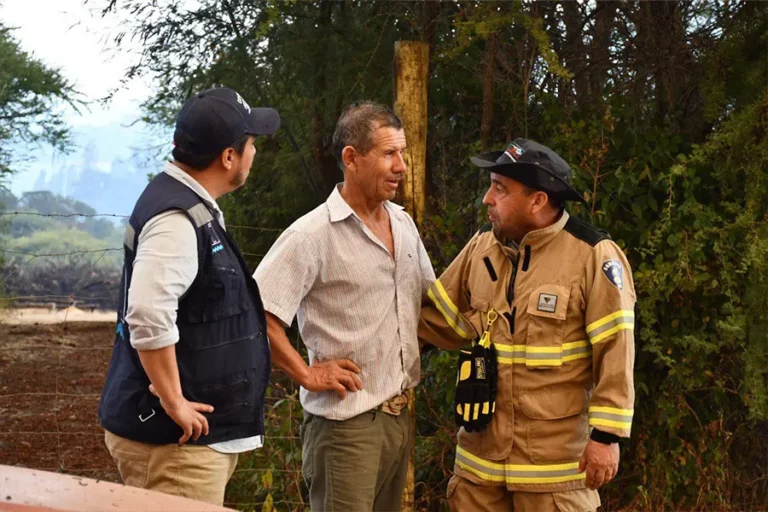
(547, 311)
(410, 275)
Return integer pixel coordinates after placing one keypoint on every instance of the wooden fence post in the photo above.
(410, 79)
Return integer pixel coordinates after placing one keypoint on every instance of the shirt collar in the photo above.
(340, 210)
(178, 174)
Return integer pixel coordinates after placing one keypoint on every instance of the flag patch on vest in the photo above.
(547, 303)
(614, 272)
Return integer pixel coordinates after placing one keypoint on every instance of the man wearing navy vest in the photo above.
(190, 321)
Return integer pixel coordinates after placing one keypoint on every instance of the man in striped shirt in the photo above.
(353, 271)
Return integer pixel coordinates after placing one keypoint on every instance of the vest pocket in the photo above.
(556, 423)
(230, 397)
(223, 294)
(547, 308)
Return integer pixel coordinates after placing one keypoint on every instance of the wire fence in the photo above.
(55, 353)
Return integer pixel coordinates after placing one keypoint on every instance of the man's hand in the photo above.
(601, 461)
(186, 415)
(338, 375)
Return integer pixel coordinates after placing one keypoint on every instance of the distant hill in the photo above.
(115, 191)
(107, 169)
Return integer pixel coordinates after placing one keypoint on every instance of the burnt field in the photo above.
(50, 381)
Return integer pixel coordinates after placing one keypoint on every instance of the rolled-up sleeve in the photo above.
(163, 270)
(286, 274)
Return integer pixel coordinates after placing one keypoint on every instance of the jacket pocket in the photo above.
(478, 315)
(547, 309)
(492, 443)
(556, 423)
(223, 295)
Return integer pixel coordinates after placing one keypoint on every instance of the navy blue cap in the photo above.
(534, 165)
(213, 120)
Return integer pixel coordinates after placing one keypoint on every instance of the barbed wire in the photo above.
(59, 254)
(67, 297)
(62, 397)
(89, 215)
(120, 216)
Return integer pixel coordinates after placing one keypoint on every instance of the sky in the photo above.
(73, 37)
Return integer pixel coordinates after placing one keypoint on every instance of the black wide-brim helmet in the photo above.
(534, 165)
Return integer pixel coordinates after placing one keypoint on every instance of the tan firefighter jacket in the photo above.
(565, 346)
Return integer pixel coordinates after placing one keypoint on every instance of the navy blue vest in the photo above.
(222, 353)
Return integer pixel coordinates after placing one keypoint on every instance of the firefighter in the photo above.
(554, 297)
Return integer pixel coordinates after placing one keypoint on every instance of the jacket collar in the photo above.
(536, 239)
(175, 172)
(541, 237)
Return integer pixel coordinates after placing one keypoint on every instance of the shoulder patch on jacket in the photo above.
(585, 231)
(488, 227)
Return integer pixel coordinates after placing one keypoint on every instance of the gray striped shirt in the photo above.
(351, 298)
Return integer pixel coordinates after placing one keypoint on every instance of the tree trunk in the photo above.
(491, 48)
(330, 174)
(600, 55)
(574, 50)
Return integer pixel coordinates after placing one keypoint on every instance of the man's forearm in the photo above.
(163, 372)
(283, 354)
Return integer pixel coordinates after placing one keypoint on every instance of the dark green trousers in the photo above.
(359, 464)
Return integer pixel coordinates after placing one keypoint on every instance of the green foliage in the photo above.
(661, 109)
(29, 95)
(59, 242)
(31, 232)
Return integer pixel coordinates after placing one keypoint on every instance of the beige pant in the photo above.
(195, 472)
(466, 496)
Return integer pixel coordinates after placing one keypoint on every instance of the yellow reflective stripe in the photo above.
(598, 422)
(574, 344)
(547, 479)
(484, 476)
(521, 480)
(573, 357)
(466, 412)
(486, 408)
(515, 354)
(516, 467)
(611, 417)
(543, 362)
(505, 347)
(511, 360)
(452, 315)
(612, 410)
(611, 332)
(517, 473)
(543, 350)
(613, 316)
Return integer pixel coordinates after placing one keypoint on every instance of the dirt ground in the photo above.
(50, 380)
(54, 316)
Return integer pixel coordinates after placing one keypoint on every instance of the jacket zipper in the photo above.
(511, 295)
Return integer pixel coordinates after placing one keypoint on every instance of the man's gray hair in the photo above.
(357, 124)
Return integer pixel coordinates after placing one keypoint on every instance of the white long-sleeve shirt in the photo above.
(163, 270)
